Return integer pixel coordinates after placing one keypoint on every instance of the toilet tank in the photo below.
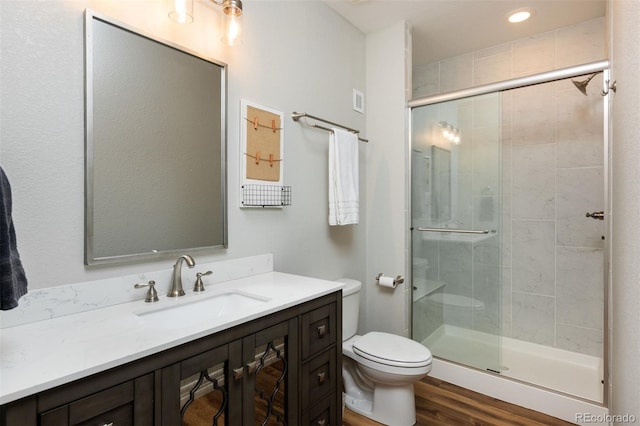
(350, 307)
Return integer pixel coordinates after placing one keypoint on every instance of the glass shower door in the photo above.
(456, 206)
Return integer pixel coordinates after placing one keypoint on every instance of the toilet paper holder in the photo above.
(397, 280)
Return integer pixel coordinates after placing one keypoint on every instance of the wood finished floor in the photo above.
(440, 403)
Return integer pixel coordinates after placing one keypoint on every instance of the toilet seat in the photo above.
(391, 353)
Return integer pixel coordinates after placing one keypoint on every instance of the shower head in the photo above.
(582, 85)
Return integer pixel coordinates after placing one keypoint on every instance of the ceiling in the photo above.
(447, 28)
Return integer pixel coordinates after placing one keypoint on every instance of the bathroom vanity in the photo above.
(274, 359)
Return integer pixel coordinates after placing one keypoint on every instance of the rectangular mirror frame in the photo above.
(90, 257)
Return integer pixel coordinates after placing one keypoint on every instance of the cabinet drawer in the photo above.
(128, 403)
(318, 330)
(102, 402)
(319, 377)
(324, 413)
(121, 416)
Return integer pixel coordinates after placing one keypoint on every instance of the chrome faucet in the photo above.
(176, 283)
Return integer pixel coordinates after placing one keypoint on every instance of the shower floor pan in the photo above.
(556, 369)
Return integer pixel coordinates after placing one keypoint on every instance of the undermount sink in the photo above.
(202, 308)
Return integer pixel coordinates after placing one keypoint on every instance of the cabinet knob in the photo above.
(252, 367)
(322, 422)
(322, 377)
(238, 373)
(322, 331)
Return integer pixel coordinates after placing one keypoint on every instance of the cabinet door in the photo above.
(198, 391)
(270, 394)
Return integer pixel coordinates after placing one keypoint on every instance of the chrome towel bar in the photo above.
(296, 116)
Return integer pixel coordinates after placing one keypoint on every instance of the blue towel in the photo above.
(13, 282)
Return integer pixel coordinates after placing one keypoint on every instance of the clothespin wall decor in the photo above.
(256, 124)
(262, 146)
(263, 155)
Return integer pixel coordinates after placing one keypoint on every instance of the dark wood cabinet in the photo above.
(282, 369)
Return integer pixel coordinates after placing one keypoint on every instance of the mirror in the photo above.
(441, 180)
(155, 175)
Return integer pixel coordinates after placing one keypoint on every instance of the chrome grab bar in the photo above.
(453, 231)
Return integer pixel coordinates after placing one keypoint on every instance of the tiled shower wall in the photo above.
(552, 174)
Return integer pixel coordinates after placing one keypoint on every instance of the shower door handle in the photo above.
(596, 215)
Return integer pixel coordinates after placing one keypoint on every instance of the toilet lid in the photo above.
(391, 349)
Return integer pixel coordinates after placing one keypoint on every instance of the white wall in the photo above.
(289, 61)
(388, 88)
(625, 315)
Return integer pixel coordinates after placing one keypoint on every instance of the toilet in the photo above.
(379, 369)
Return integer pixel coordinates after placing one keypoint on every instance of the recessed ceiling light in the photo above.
(519, 15)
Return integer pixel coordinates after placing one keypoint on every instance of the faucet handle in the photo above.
(199, 285)
(152, 294)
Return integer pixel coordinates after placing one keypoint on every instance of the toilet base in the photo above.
(391, 405)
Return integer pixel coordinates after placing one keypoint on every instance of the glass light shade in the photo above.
(232, 22)
(182, 12)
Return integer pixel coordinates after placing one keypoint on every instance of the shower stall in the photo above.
(509, 230)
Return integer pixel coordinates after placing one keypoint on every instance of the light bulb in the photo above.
(182, 12)
(520, 15)
(232, 22)
(232, 30)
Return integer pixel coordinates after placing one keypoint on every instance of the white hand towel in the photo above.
(344, 188)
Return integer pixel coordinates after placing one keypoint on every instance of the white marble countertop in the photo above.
(41, 355)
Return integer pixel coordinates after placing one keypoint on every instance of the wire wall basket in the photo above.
(266, 195)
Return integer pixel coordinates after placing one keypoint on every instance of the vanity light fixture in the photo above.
(450, 133)
(519, 15)
(231, 17)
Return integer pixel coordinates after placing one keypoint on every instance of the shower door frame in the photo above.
(541, 78)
